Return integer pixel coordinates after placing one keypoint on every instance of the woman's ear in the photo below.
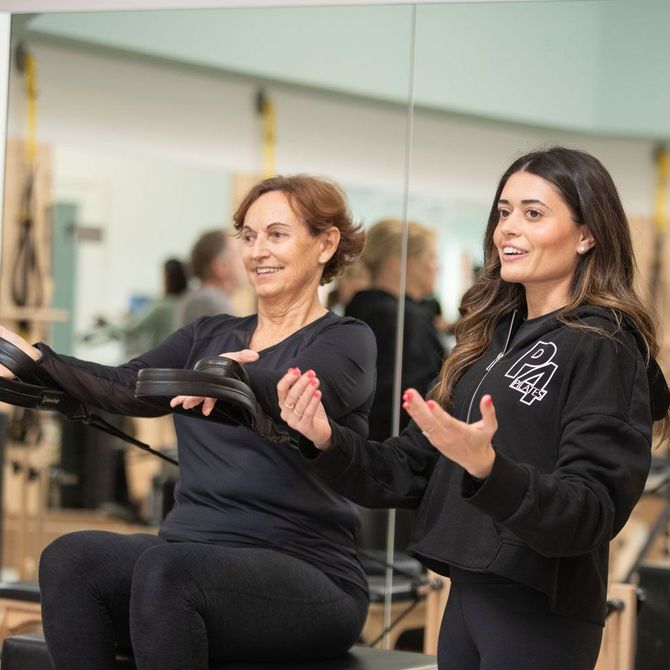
(586, 241)
(329, 240)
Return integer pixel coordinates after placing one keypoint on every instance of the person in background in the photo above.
(535, 444)
(422, 350)
(355, 278)
(378, 307)
(257, 559)
(215, 265)
(153, 323)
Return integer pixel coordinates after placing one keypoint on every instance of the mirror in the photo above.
(150, 126)
(496, 80)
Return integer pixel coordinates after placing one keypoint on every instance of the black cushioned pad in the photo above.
(236, 404)
(24, 591)
(29, 652)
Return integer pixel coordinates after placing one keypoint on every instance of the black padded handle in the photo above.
(22, 366)
(223, 365)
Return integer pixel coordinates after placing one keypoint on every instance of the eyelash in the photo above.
(274, 233)
(504, 213)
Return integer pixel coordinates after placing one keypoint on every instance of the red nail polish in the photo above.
(488, 401)
(431, 404)
(317, 394)
(313, 382)
(296, 372)
(311, 374)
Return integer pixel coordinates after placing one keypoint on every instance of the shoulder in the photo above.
(341, 326)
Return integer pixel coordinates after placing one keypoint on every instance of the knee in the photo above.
(165, 572)
(71, 557)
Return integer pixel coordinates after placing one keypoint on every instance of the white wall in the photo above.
(153, 143)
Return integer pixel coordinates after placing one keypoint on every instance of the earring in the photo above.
(581, 250)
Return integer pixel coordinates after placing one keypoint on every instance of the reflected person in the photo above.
(378, 306)
(215, 266)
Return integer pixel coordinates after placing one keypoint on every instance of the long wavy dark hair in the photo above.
(605, 276)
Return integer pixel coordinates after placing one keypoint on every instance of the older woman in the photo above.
(257, 558)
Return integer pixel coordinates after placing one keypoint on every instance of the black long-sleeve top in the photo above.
(572, 457)
(234, 487)
(421, 357)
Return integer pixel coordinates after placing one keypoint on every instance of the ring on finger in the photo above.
(296, 413)
(289, 405)
(428, 431)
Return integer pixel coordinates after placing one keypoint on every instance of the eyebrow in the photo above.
(270, 225)
(525, 202)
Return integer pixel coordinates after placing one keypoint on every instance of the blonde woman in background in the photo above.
(378, 307)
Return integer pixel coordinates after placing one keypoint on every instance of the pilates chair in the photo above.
(29, 652)
(19, 609)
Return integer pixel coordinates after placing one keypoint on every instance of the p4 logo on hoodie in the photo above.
(532, 372)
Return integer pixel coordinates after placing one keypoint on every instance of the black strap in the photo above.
(35, 390)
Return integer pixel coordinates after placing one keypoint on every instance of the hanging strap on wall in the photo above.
(27, 287)
(662, 193)
(266, 108)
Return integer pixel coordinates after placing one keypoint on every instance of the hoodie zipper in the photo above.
(491, 365)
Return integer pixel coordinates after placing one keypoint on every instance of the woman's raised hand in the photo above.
(20, 343)
(300, 402)
(191, 401)
(468, 444)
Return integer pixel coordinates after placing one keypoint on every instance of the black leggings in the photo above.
(508, 626)
(179, 604)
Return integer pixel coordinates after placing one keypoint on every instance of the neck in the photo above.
(277, 319)
(545, 299)
(388, 283)
(414, 291)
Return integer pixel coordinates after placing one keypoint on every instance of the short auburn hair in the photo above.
(321, 204)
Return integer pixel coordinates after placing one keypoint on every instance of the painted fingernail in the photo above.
(313, 382)
(311, 374)
(431, 404)
(317, 394)
(296, 371)
(488, 401)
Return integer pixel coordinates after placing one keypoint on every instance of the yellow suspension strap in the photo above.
(27, 288)
(266, 108)
(662, 164)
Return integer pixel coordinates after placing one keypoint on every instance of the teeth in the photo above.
(512, 250)
(266, 271)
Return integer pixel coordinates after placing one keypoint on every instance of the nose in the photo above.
(508, 226)
(259, 247)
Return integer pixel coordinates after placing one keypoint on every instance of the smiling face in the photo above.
(538, 242)
(282, 258)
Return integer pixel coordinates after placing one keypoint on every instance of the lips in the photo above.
(509, 251)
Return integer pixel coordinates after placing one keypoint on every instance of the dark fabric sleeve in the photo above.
(113, 388)
(393, 473)
(602, 465)
(343, 357)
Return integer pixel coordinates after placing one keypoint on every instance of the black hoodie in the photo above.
(572, 457)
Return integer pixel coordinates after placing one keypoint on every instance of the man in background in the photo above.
(217, 270)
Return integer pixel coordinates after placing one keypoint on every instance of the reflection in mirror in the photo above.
(130, 136)
(517, 83)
